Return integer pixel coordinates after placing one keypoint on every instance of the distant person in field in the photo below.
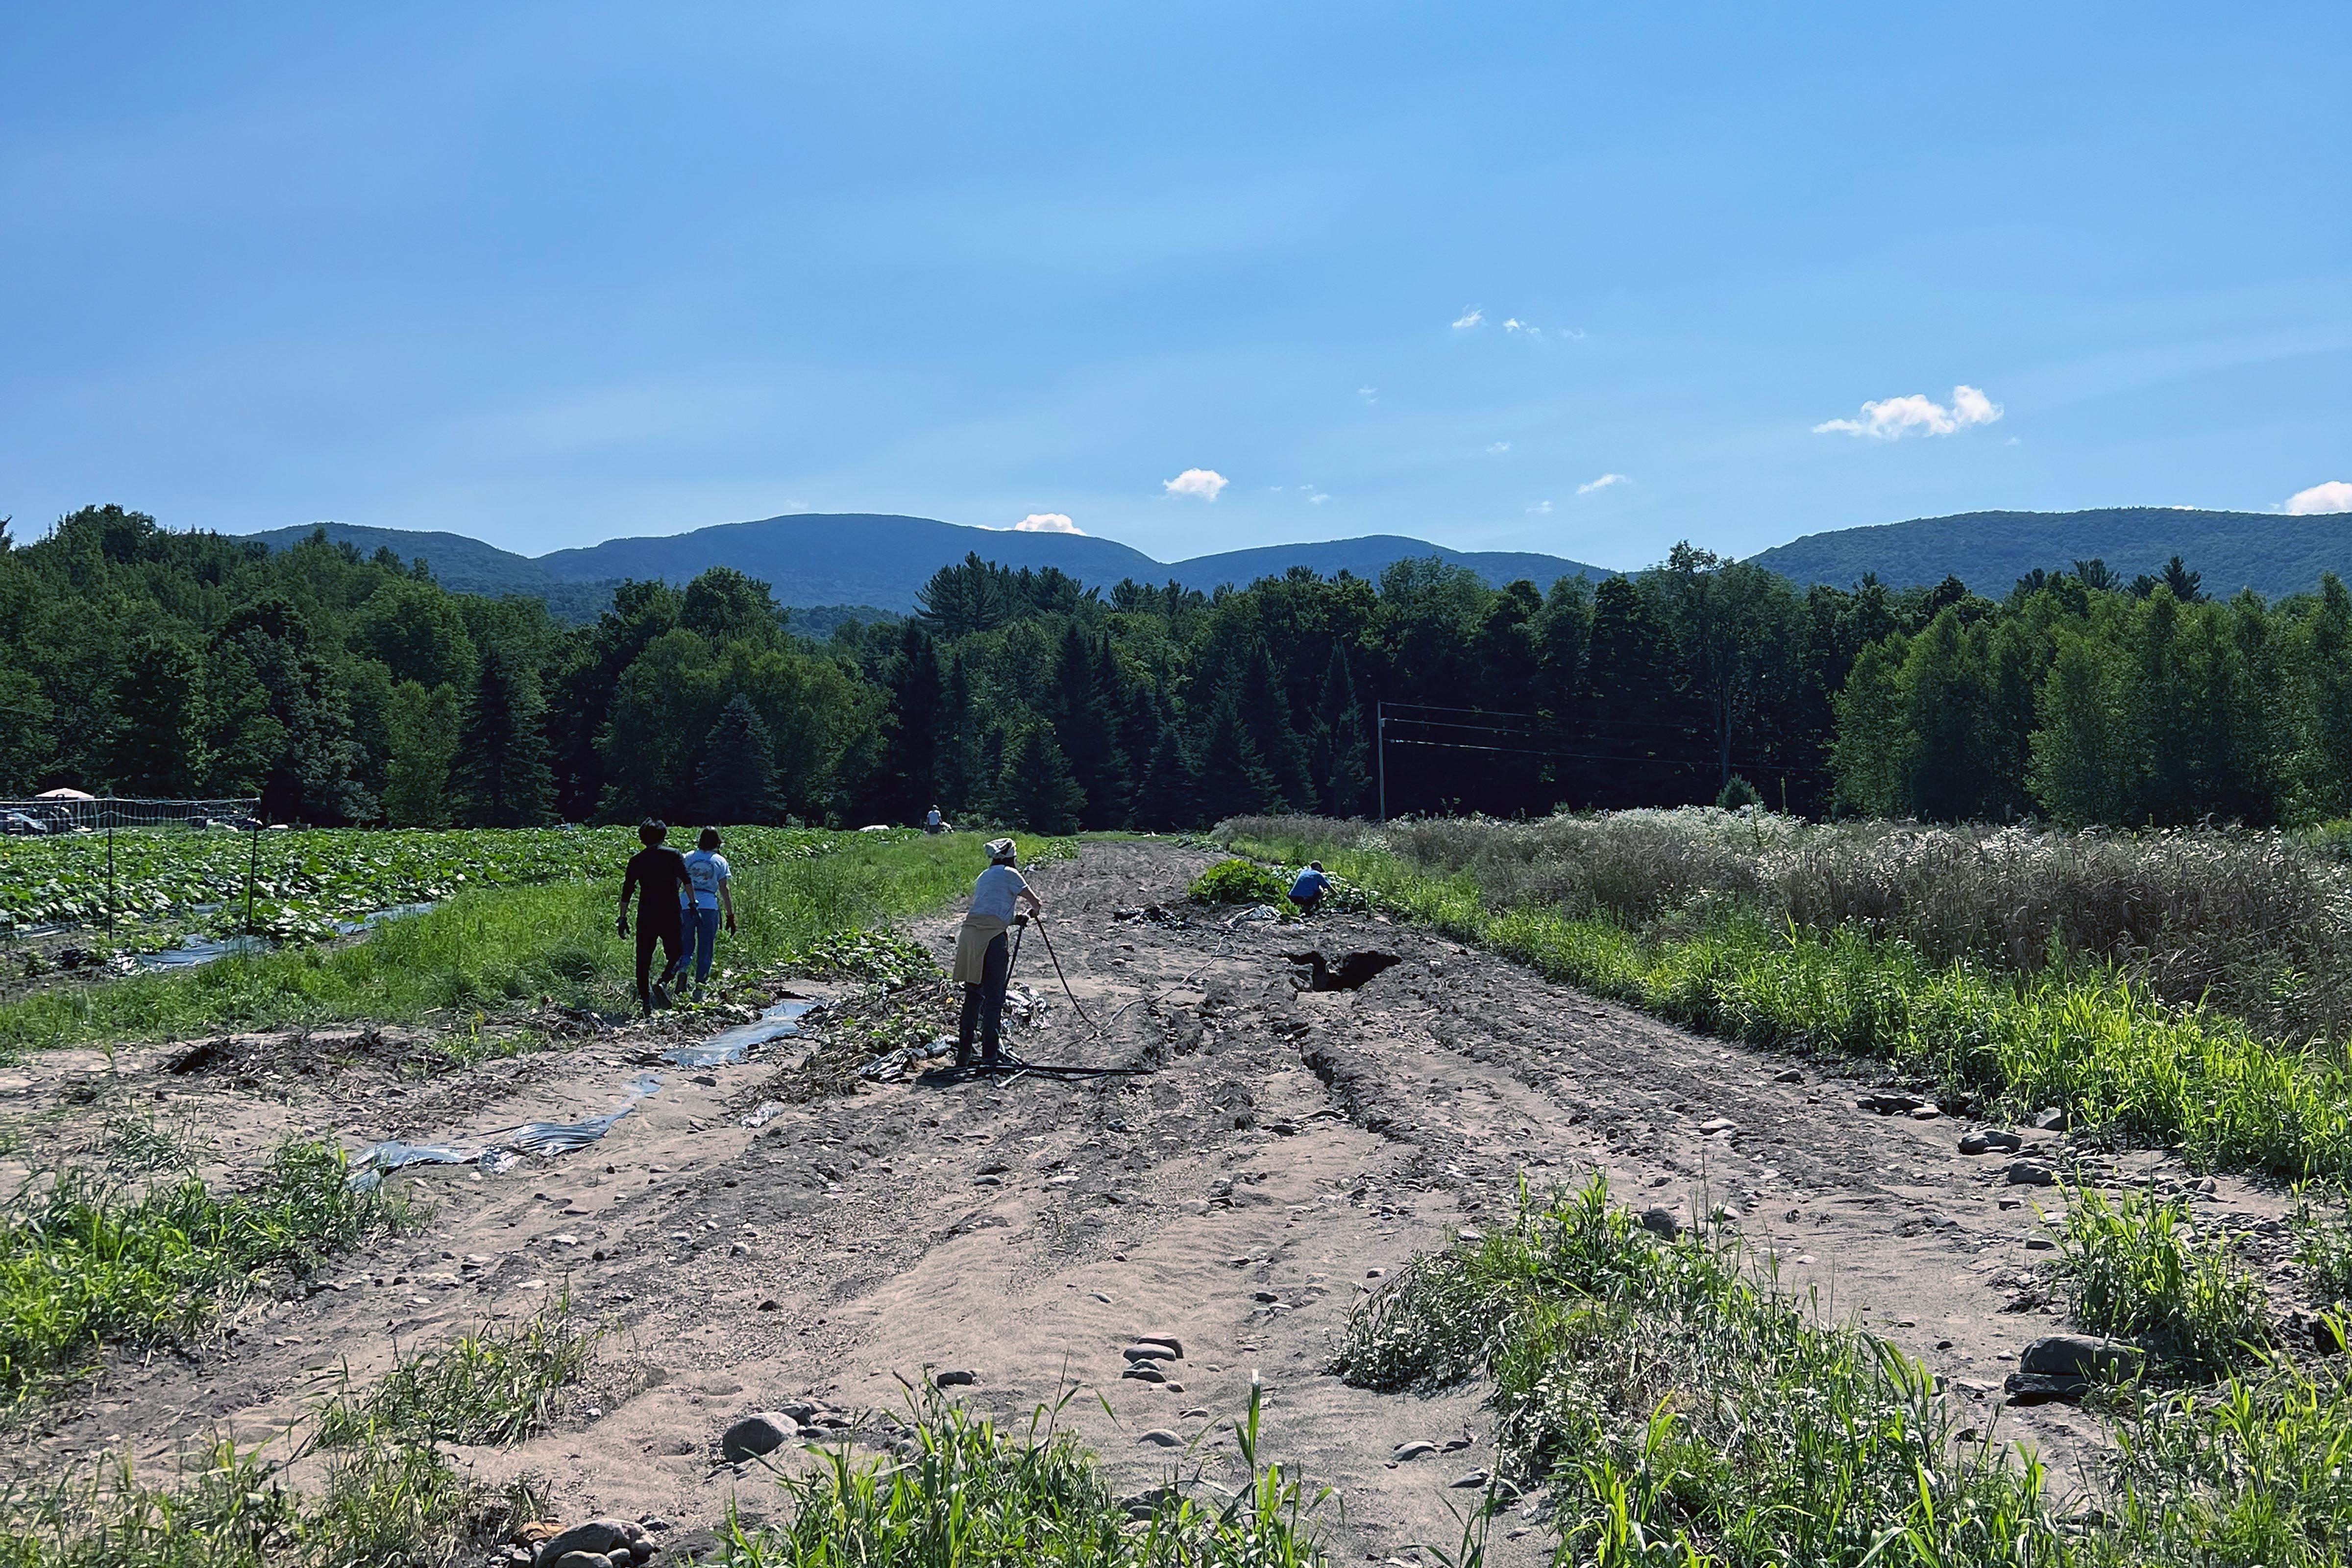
(1307, 889)
(935, 823)
(657, 876)
(983, 957)
(712, 879)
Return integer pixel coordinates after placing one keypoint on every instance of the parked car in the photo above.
(16, 824)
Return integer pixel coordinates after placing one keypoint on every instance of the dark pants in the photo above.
(672, 941)
(984, 1004)
(1307, 902)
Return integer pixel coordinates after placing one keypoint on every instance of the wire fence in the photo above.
(94, 820)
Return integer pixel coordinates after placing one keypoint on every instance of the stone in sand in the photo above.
(590, 1559)
(1160, 1437)
(761, 1433)
(1661, 1221)
(1986, 1142)
(611, 1539)
(1472, 1478)
(1153, 1350)
(1416, 1450)
(1144, 1372)
(956, 1379)
(2028, 1173)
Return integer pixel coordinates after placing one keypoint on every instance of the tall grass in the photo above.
(2135, 1267)
(497, 947)
(2095, 1040)
(1677, 1408)
(85, 1262)
(2255, 925)
(972, 1494)
(491, 1384)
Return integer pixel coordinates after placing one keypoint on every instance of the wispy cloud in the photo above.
(1202, 482)
(1515, 325)
(1369, 393)
(1893, 418)
(2332, 496)
(1541, 509)
(1046, 523)
(1496, 449)
(1602, 483)
(1469, 319)
(1317, 498)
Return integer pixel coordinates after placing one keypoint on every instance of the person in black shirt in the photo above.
(660, 872)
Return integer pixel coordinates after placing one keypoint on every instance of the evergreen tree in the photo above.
(1273, 739)
(912, 769)
(1085, 727)
(501, 771)
(1168, 797)
(1233, 780)
(1143, 720)
(1036, 789)
(1337, 749)
(736, 779)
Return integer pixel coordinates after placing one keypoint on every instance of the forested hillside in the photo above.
(349, 687)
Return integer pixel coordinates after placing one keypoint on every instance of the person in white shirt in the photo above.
(935, 823)
(983, 955)
(709, 892)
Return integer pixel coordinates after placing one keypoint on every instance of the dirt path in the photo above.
(1239, 1197)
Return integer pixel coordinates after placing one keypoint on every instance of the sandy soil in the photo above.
(1285, 1150)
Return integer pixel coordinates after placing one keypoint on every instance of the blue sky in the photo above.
(551, 274)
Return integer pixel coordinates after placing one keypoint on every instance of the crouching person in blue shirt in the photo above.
(1308, 891)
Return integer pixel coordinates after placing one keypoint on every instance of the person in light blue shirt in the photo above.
(1307, 889)
(708, 891)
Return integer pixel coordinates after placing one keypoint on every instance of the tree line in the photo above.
(343, 688)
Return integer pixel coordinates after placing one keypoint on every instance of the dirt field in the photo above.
(1288, 1148)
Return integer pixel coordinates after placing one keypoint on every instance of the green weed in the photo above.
(969, 1494)
(2136, 1268)
(383, 1505)
(1239, 882)
(491, 1386)
(85, 1263)
(2323, 1242)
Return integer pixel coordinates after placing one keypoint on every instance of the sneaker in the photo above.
(661, 997)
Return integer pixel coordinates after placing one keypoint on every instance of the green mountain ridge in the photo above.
(2271, 552)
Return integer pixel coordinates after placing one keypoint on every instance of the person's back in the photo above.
(1311, 883)
(656, 874)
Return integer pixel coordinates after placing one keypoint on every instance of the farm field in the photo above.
(1466, 1263)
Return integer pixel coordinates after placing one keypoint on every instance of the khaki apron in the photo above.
(972, 947)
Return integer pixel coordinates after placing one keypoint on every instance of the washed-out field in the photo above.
(782, 1235)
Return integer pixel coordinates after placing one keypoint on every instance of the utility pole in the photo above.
(1381, 749)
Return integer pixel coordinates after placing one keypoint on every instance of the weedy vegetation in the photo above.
(1239, 881)
(967, 1493)
(2137, 1267)
(2322, 1224)
(493, 1385)
(1701, 917)
(87, 1261)
(1673, 1405)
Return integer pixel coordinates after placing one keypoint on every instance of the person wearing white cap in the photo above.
(983, 957)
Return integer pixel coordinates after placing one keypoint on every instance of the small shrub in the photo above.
(1738, 794)
(2136, 1268)
(885, 958)
(1239, 882)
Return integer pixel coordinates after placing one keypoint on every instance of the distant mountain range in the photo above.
(882, 561)
(2270, 553)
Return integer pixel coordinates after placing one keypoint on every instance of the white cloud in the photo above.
(1317, 498)
(1917, 414)
(1515, 325)
(1046, 523)
(1602, 483)
(2332, 496)
(1496, 449)
(1541, 509)
(1202, 482)
(1369, 393)
(1469, 319)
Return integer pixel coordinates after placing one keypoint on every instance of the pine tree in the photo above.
(1085, 728)
(913, 771)
(1234, 781)
(735, 779)
(502, 774)
(1168, 797)
(1037, 789)
(1337, 746)
(160, 748)
(1266, 713)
